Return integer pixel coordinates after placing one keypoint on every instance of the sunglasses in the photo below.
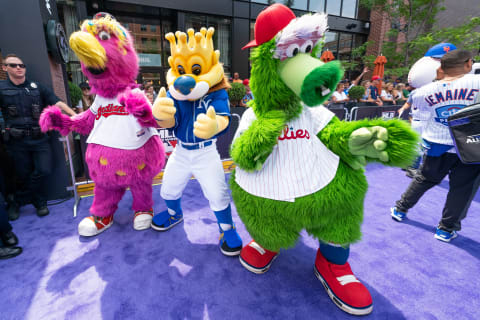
(14, 65)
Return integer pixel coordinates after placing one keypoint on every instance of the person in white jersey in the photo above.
(442, 99)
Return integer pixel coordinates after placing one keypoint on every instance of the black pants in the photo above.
(5, 226)
(33, 163)
(464, 183)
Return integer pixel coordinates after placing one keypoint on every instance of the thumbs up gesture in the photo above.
(163, 109)
(206, 125)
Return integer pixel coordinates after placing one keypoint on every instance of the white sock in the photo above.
(225, 226)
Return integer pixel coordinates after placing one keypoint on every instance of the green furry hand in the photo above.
(368, 142)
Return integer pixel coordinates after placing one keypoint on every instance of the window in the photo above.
(333, 7)
(153, 28)
(317, 5)
(299, 4)
(331, 42)
(143, 27)
(125, 25)
(345, 46)
(144, 41)
(349, 8)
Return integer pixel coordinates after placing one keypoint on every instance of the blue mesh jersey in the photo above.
(187, 112)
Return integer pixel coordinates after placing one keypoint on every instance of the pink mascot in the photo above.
(124, 150)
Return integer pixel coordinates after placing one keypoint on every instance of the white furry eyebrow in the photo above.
(301, 28)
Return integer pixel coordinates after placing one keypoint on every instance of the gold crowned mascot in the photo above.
(196, 109)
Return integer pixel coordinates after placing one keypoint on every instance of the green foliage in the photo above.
(415, 19)
(236, 93)
(75, 94)
(356, 92)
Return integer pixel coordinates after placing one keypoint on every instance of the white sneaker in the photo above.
(91, 226)
(142, 220)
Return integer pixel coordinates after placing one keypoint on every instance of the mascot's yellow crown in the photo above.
(200, 43)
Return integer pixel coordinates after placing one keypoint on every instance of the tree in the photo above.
(412, 33)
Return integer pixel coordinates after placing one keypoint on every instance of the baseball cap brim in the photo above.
(252, 43)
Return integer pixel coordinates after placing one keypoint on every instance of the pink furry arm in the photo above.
(136, 103)
(53, 119)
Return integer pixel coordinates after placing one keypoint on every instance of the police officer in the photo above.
(21, 103)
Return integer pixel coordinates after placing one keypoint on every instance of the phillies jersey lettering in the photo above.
(289, 133)
(439, 100)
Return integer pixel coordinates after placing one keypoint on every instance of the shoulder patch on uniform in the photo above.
(33, 85)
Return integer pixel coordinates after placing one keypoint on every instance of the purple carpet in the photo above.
(181, 274)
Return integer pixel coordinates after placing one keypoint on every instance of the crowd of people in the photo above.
(391, 93)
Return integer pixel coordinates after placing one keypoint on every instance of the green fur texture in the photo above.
(270, 92)
(333, 214)
(401, 144)
(328, 75)
(252, 148)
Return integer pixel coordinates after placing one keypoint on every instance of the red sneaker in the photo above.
(93, 225)
(345, 290)
(255, 258)
(142, 220)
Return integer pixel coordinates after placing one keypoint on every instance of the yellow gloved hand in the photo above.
(206, 125)
(163, 107)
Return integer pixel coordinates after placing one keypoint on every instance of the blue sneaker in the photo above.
(230, 242)
(444, 235)
(397, 215)
(164, 220)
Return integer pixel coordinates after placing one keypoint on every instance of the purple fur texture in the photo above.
(137, 104)
(113, 170)
(53, 119)
(120, 72)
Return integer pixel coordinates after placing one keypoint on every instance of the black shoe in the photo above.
(411, 172)
(13, 211)
(9, 252)
(42, 211)
(9, 239)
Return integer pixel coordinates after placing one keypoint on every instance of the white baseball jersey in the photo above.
(114, 127)
(299, 165)
(442, 99)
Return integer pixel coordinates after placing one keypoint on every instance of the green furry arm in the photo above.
(400, 146)
(252, 148)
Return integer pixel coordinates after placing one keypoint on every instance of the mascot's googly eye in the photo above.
(181, 69)
(196, 69)
(306, 47)
(292, 50)
(104, 35)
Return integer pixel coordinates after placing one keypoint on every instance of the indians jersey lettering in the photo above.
(114, 127)
(441, 100)
(299, 164)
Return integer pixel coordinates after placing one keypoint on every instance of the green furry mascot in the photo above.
(300, 167)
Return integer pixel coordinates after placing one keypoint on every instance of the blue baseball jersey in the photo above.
(442, 99)
(187, 112)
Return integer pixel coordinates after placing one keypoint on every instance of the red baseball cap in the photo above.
(246, 82)
(269, 22)
(376, 78)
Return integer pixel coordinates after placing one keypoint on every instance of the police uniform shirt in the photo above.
(299, 165)
(188, 111)
(442, 99)
(22, 104)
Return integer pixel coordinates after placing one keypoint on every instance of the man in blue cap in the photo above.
(438, 50)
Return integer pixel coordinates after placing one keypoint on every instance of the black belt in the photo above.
(196, 146)
(21, 133)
